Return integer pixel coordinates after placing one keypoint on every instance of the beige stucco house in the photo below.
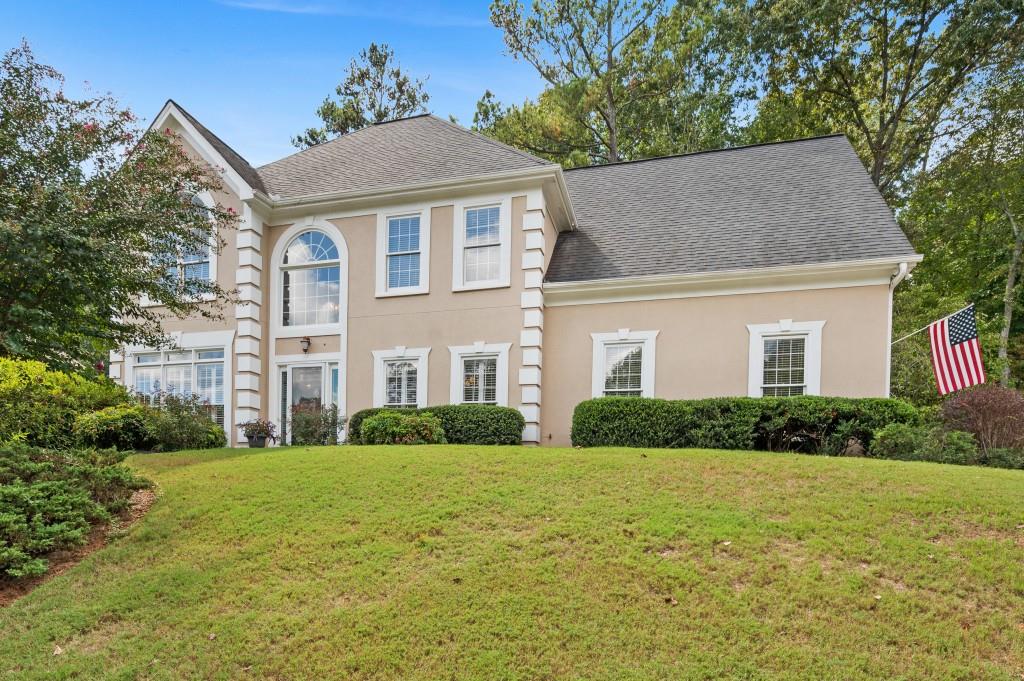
(417, 263)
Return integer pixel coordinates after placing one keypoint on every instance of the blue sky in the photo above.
(254, 71)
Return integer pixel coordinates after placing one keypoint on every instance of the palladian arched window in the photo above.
(311, 281)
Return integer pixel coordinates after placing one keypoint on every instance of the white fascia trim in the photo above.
(275, 295)
(417, 355)
(199, 143)
(602, 340)
(728, 282)
(478, 349)
(504, 201)
(785, 327)
(385, 214)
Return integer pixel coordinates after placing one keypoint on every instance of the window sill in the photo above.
(300, 331)
(481, 286)
(400, 292)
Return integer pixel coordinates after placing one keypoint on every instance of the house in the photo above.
(416, 263)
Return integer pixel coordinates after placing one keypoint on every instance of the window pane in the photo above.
(404, 234)
(783, 369)
(308, 247)
(479, 380)
(400, 384)
(179, 356)
(403, 270)
(284, 406)
(148, 358)
(311, 296)
(179, 379)
(483, 263)
(210, 354)
(147, 380)
(210, 382)
(307, 386)
(483, 226)
(334, 384)
(624, 369)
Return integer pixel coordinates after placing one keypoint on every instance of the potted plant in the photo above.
(258, 431)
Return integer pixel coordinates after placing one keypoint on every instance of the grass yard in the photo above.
(512, 563)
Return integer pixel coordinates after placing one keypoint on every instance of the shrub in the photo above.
(123, 427)
(183, 422)
(805, 424)
(899, 441)
(1005, 458)
(397, 428)
(463, 424)
(49, 499)
(479, 424)
(925, 443)
(993, 414)
(314, 425)
(39, 406)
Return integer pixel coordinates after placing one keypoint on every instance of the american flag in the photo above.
(956, 355)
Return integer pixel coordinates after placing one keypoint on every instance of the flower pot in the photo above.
(257, 440)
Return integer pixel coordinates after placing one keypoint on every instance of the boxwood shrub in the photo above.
(805, 424)
(123, 427)
(402, 428)
(463, 424)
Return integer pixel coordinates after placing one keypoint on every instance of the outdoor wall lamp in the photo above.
(305, 343)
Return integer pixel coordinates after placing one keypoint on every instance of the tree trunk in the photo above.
(1009, 298)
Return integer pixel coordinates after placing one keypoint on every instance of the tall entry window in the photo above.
(306, 386)
(311, 281)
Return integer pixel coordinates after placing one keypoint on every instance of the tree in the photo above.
(885, 72)
(94, 214)
(967, 213)
(375, 90)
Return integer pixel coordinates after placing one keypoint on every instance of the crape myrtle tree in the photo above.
(375, 90)
(97, 218)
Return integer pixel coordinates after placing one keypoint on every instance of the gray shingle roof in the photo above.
(232, 157)
(791, 203)
(405, 151)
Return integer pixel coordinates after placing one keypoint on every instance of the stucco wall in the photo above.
(702, 345)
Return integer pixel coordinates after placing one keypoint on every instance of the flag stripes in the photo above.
(956, 354)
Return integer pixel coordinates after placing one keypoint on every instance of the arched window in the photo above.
(311, 281)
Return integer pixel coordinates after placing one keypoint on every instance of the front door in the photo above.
(306, 385)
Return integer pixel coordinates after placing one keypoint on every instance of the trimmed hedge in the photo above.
(804, 424)
(402, 428)
(123, 427)
(463, 424)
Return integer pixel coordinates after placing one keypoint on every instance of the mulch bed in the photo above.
(61, 561)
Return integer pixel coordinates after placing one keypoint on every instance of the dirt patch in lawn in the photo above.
(64, 560)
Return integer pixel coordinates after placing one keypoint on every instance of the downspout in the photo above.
(894, 281)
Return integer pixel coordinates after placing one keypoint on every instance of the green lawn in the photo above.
(512, 563)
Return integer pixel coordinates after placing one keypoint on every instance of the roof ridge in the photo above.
(710, 151)
(493, 141)
(204, 131)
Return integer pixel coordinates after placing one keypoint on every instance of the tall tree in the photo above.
(885, 72)
(94, 214)
(375, 89)
(967, 213)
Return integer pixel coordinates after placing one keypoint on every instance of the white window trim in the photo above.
(278, 329)
(325, 360)
(480, 349)
(196, 340)
(400, 353)
(504, 201)
(600, 340)
(785, 327)
(382, 290)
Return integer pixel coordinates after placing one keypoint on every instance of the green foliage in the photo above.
(314, 425)
(1005, 458)
(39, 406)
(926, 443)
(183, 422)
(804, 424)
(479, 424)
(94, 211)
(463, 424)
(50, 498)
(375, 90)
(400, 428)
(124, 427)
(900, 441)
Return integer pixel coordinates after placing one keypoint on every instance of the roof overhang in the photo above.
(842, 274)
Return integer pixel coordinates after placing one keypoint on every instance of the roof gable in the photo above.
(406, 151)
(774, 205)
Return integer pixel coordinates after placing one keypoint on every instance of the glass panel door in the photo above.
(307, 386)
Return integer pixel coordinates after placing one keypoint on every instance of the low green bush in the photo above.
(1005, 458)
(397, 428)
(39, 406)
(182, 422)
(899, 441)
(463, 424)
(926, 442)
(804, 424)
(314, 425)
(124, 427)
(50, 498)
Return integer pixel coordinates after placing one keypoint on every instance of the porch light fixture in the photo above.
(305, 343)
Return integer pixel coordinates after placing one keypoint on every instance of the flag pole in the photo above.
(925, 328)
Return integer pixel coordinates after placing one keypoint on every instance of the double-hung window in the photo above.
(403, 251)
(400, 377)
(785, 359)
(623, 363)
(194, 263)
(479, 373)
(182, 373)
(482, 244)
(480, 380)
